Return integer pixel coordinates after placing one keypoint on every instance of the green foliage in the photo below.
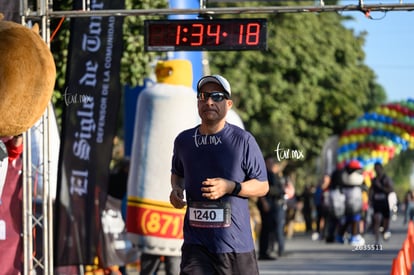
(399, 169)
(136, 63)
(308, 84)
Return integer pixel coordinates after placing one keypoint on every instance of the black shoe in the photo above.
(267, 258)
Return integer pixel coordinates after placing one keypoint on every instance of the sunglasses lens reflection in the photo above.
(215, 96)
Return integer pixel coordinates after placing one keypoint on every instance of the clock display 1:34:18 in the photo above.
(233, 34)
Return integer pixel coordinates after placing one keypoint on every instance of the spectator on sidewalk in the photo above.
(272, 211)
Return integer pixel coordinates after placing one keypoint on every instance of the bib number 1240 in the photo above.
(209, 214)
(215, 215)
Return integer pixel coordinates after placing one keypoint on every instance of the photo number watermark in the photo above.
(368, 247)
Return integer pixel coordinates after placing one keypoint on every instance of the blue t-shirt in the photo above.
(233, 154)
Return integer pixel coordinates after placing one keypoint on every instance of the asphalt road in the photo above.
(318, 257)
(307, 257)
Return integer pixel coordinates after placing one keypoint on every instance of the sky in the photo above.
(389, 47)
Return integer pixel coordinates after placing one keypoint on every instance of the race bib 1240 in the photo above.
(209, 214)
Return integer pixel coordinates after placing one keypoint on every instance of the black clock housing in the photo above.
(205, 35)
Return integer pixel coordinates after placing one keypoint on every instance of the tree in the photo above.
(400, 169)
(136, 63)
(308, 84)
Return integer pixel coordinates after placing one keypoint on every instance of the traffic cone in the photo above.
(408, 257)
(398, 265)
(410, 232)
(395, 269)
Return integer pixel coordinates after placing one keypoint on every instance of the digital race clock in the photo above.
(208, 35)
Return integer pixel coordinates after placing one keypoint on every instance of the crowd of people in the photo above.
(341, 208)
(347, 206)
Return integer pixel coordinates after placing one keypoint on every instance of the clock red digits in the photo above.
(206, 35)
(252, 31)
(216, 33)
(177, 36)
(241, 33)
(198, 30)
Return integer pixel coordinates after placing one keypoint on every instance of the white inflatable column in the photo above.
(163, 111)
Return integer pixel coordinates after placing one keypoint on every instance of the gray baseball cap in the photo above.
(215, 79)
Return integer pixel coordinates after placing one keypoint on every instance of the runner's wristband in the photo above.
(237, 188)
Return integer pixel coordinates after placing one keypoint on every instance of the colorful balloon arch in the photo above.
(378, 136)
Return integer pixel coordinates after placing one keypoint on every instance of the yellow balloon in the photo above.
(385, 157)
(406, 136)
(368, 180)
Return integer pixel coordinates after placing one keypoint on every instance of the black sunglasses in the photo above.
(215, 96)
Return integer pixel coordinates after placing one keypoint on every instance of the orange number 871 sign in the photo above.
(155, 220)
